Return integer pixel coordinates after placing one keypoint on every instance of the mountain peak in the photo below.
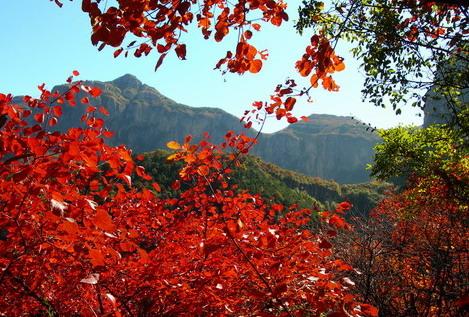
(127, 81)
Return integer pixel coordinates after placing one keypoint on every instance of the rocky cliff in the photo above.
(327, 146)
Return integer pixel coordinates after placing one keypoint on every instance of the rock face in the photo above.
(452, 78)
(144, 119)
(327, 146)
(437, 110)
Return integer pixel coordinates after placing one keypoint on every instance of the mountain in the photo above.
(144, 119)
(447, 101)
(328, 146)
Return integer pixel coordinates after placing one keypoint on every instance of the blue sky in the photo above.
(44, 43)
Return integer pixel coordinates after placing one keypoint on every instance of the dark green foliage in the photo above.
(365, 196)
(277, 184)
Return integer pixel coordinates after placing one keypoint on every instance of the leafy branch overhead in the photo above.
(404, 45)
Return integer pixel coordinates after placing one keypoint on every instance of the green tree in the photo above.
(407, 151)
(405, 47)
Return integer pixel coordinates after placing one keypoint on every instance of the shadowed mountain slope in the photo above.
(327, 146)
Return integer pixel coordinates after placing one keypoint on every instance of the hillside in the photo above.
(280, 185)
(328, 146)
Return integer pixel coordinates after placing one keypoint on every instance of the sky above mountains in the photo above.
(44, 43)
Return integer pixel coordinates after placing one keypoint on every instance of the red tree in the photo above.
(413, 254)
(77, 238)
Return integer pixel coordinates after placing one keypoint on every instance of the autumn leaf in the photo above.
(255, 66)
(96, 257)
(160, 61)
(103, 221)
(290, 103)
(173, 145)
(95, 92)
(118, 52)
(203, 170)
(181, 51)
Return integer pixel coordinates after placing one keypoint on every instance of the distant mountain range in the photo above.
(327, 146)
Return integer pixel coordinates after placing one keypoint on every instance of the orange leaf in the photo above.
(203, 170)
(255, 66)
(314, 81)
(256, 26)
(339, 67)
(173, 145)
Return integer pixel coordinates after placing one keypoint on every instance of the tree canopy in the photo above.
(77, 237)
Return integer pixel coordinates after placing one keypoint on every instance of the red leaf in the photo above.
(118, 52)
(176, 185)
(75, 73)
(181, 51)
(324, 244)
(97, 258)
(39, 117)
(52, 121)
(292, 119)
(104, 111)
(103, 221)
(95, 92)
(337, 222)
(108, 134)
(369, 310)
(160, 61)
(127, 246)
(57, 110)
(156, 187)
(290, 103)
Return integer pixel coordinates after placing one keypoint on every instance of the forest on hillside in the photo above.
(88, 228)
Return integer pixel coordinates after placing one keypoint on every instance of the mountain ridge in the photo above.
(327, 146)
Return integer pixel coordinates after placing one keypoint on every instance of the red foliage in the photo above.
(159, 25)
(77, 238)
(412, 256)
